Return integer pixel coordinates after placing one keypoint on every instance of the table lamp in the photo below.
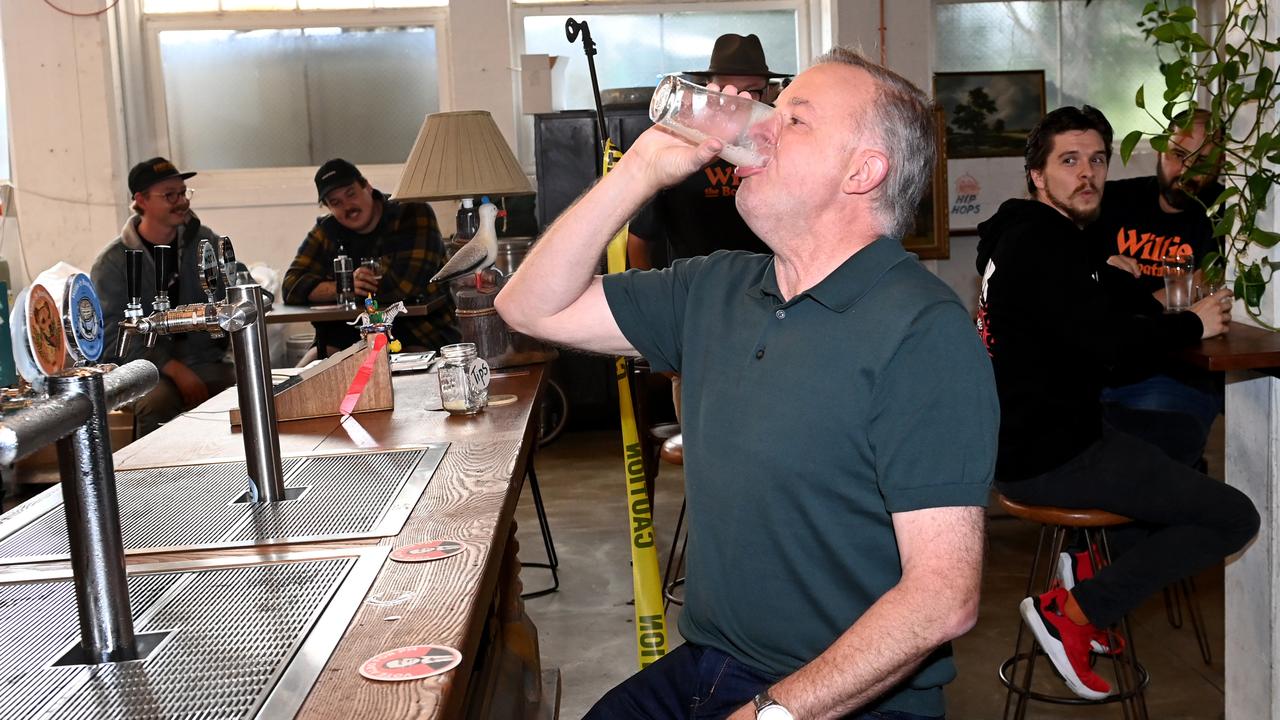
(461, 156)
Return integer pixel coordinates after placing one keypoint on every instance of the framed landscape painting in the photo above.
(989, 114)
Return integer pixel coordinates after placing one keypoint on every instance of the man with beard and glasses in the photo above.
(1142, 219)
(363, 223)
(1056, 320)
(192, 365)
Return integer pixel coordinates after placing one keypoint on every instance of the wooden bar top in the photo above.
(470, 499)
(1244, 347)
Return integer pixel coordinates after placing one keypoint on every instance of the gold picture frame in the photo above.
(930, 236)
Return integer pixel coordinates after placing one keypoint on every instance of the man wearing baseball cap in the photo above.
(698, 216)
(192, 365)
(364, 224)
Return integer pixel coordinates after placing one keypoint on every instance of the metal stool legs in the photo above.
(671, 577)
(1174, 598)
(553, 562)
(1130, 677)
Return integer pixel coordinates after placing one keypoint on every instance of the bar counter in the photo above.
(470, 602)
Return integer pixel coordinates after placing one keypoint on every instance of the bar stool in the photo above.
(673, 452)
(1184, 593)
(553, 561)
(1131, 677)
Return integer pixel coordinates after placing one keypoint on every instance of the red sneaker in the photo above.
(1065, 643)
(1074, 568)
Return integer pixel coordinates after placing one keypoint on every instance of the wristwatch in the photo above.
(768, 709)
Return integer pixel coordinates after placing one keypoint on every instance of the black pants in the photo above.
(1184, 521)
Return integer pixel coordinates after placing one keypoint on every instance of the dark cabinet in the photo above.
(566, 149)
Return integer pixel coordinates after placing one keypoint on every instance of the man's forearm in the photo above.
(880, 650)
(562, 263)
(324, 290)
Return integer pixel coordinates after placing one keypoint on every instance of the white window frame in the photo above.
(223, 183)
(813, 30)
(809, 14)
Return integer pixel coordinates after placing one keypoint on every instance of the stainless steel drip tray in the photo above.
(242, 637)
(188, 507)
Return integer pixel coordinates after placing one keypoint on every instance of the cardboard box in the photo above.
(542, 83)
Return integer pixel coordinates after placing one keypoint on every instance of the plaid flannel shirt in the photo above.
(407, 240)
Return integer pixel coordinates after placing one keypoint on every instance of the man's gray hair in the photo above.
(902, 116)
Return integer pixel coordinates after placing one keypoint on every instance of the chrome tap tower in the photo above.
(242, 314)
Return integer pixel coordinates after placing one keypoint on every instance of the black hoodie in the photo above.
(1057, 323)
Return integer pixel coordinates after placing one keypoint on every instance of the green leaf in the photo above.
(1226, 223)
(1186, 13)
(1265, 238)
(1160, 143)
(1129, 143)
(1140, 99)
(1150, 8)
(1198, 43)
(1259, 186)
(1231, 71)
(1166, 33)
(1226, 195)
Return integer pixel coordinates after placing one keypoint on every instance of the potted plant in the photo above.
(1228, 69)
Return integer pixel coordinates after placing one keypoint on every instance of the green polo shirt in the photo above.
(806, 424)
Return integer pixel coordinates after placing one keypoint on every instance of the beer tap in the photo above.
(242, 314)
(133, 309)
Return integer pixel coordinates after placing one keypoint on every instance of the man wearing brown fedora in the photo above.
(698, 216)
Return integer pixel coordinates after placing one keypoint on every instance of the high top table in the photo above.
(472, 605)
(1251, 358)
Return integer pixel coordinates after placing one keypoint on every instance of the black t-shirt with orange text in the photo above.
(1133, 224)
(697, 217)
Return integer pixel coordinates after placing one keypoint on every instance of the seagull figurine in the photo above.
(478, 254)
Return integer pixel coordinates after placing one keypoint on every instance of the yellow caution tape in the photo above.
(651, 621)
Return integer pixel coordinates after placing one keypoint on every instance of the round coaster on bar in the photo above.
(427, 551)
(500, 400)
(411, 663)
(82, 319)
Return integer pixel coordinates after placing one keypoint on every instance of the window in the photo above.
(635, 49)
(1091, 55)
(263, 90)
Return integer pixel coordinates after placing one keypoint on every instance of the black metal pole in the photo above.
(572, 28)
(93, 524)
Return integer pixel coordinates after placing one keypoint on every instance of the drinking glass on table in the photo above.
(374, 265)
(1179, 273)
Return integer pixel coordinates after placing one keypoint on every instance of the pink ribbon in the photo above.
(361, 379)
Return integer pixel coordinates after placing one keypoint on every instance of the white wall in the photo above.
(64, 125)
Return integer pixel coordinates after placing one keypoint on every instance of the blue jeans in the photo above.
(696, 683)
(1161, 393)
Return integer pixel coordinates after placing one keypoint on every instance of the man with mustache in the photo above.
(1057, 320)
(192, 366)
(364, 223)
(1142, 219)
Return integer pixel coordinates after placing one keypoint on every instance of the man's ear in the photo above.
(867, 171)
(1037, 178)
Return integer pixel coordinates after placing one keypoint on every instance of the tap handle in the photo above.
(133, 273)
(164, 266)
(209, 269)
(230, 270)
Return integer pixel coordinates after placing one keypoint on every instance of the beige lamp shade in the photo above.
(460, 155)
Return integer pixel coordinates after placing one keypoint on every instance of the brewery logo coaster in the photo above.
(500, 400)
(423, 552)
(44, 331)
(411, 663)
(82, 319)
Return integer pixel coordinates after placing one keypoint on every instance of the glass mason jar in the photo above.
(464, 379)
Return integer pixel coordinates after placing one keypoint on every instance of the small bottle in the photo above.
(344, 277)
(464, 379)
